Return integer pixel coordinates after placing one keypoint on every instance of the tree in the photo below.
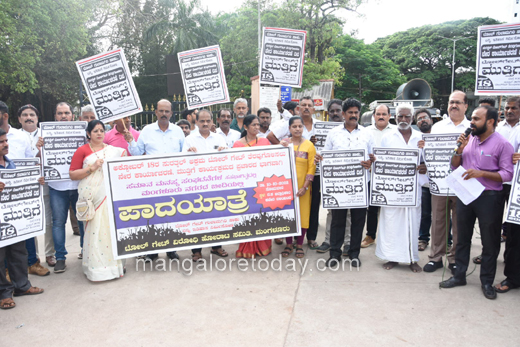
(424, 53)
(368, 76)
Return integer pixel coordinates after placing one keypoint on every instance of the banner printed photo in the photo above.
(182, 201)
(394, 177)
(343, 179)
(21, 205)
(203, 77)
(282, 57)
(498, 60)
(109, 85)
(61, 140)
(438, 150)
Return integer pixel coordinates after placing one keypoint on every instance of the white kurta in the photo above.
(398, 227)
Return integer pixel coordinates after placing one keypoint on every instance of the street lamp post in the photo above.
(455, 39)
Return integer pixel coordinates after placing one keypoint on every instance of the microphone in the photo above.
(466, 133)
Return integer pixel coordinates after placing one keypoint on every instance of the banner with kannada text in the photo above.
(394, 177)
(21, 205)
(185, 201)
(438, 150)
(61, 140)
(343, 180)
(513, 206)
(109, 85)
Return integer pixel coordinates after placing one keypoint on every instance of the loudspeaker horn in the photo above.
(416, 89)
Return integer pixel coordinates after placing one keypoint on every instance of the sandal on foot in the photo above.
(299, 252)
(196, 257)
(7, 303)
(507, 284)
(389, 265)
(221, 252)
(30, 291)
(278, 241)
(286, 252)
(478, 260)
(313, 244)
(422, 245)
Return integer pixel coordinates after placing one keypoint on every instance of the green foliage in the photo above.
(423, 53)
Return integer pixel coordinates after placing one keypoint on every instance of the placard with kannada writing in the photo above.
(498, 60)
(19, 163)
(282, 57)
(344, 181)
(203, 77)
(394, 177)
(513, 207)
(184, 201)
(109, 85)
(438, 150)
(61, 140)
(21, 205)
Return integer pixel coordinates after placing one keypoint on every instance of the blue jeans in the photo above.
(32, 256)
(60, 202)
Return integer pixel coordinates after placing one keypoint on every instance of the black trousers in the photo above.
(372, 217)
(312, 232)
(199, 250)
(488, 209)
(15, 256)
(337, 231)
(512, 269)
(506, 189)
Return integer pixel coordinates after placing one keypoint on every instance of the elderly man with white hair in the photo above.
(88, 113)
(399, 226)
(240, 108)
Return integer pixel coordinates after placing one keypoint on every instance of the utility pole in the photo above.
(455, 39)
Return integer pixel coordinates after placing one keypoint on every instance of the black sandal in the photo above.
(286, 252)
(505, 283)
(478, 260)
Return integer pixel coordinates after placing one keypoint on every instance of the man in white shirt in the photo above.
(62, 194)
(348, 135)
(380, 128)
(161, 137)
(305, 110)
(399, 226)
(264, 117)
(28, 118)
(200, 141)
(224, 119)
(20, 148)
(457, 123)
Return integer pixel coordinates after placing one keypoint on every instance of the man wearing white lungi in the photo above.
(398, 228)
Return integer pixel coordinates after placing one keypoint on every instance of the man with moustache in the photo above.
(224, 119)
(399, 226)
(455, 123)
(486, 156)
(62, 194)
(240, 108)
(185, 126)
(334, 111)
(380, 128)
(200, 141)
(264, 117)
(14, 255)
(121, 134)
(424, 122)
(161, 137)
(348, 135)
(28, 118)
(88, 113)
(190, 115)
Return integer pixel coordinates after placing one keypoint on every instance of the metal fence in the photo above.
(140, 120)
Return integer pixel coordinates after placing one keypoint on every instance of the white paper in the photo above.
(466, 190)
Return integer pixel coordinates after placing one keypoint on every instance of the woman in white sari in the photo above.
(98, 261)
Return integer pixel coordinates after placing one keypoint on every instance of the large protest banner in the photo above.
(21, 205)
(394, 177)
(344, 181)
(61, 140)
(109, 85)
(282, 57)
(438, 150)
(184, 201)
(498, 60)
(203, 77)
(513, 207)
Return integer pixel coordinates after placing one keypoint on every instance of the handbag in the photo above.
(85, 210)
